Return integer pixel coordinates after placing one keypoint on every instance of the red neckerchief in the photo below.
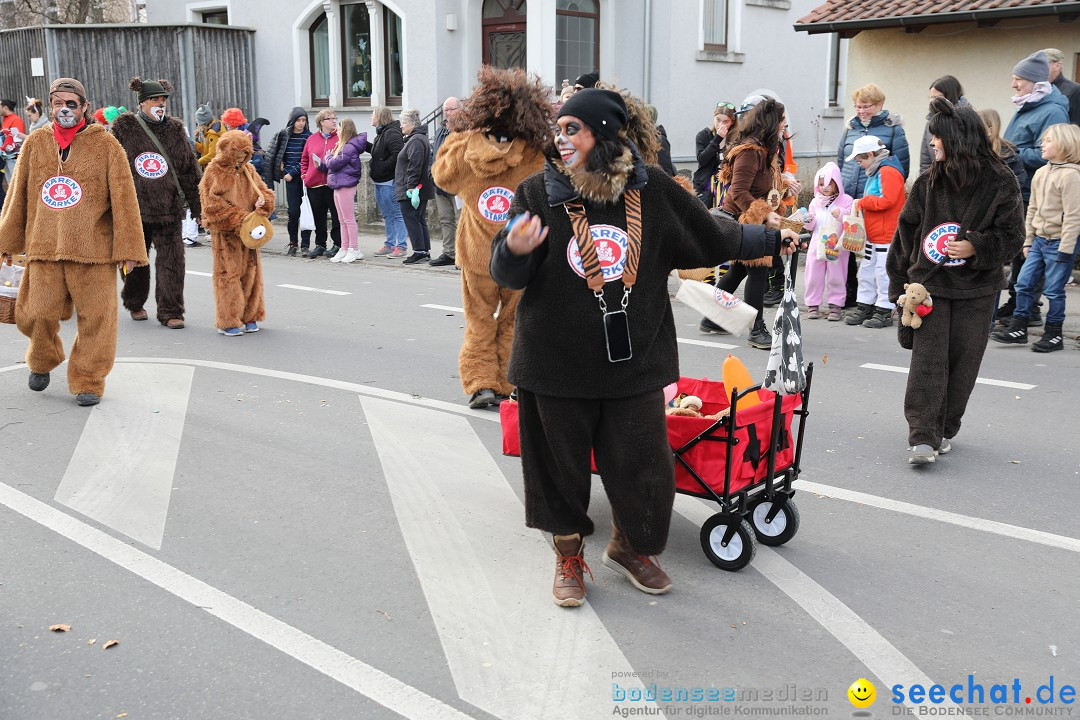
(65, 136)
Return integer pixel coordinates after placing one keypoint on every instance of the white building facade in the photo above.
(683, 56)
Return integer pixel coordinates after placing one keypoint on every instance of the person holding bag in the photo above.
(231, 190)
(825, 276)
(282, 162)
(590, 359)
(962, 222)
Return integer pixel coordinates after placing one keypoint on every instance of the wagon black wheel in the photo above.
(728, 541)
(782, 527)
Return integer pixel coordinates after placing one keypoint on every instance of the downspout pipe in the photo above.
(647, 53)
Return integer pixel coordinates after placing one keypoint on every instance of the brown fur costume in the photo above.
(72, 252)
(161, 207)
(759, 210)
(485, 174)
(227, 197)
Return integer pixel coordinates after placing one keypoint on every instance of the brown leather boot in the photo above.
(644, 572)
(570, 569)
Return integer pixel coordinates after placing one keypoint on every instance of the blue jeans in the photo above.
(386, 199)
(1042, 263)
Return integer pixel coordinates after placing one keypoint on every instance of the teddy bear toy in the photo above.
(916, 303)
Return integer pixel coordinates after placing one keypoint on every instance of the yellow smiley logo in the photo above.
(862, 693)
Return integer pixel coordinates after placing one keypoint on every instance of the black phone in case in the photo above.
(617, 336)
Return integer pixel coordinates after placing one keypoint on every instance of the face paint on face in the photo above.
(158, 112)
(574, 140)
(66, 118)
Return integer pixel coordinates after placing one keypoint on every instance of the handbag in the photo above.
(720, 306)
(255, 230)
(785, 373)
(829, 247)
(307, 217)
(853, 231)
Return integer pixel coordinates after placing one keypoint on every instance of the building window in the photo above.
(356, 27)
(504, 33)
(395, 78)
(213, 17)
(320, 62)
(577, 38)
(714, 23)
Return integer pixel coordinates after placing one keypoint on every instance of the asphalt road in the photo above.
(308, 522)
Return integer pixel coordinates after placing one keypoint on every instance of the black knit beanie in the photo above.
(587, 80)
(602, 110)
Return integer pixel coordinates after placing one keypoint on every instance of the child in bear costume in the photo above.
(228, 194)
(498, 140)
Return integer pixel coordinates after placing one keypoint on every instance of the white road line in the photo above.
(121, 472)
(1016, 532)
(875, 652)
(13, 367)
(355, 674)
(980, 381)
(318, 290)
(199, 273)
(449, 308)
(511, 650)
(428, 403)
(706, 343)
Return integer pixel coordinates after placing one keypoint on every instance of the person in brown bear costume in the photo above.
(164, 183)
(228, 194)
(72, 209)
(497, 140)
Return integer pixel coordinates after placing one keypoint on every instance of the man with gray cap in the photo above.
(1065, 86)
(1038, 106)
(166, 177)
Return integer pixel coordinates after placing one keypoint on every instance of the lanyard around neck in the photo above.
(590, 262)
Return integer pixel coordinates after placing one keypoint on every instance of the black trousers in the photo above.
(322, 200)
(416, 225)
(294, 191)
(945, 359)
(852, 283)
(629, 439)
(757, 278)
(169, 269)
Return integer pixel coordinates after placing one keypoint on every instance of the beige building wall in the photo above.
(904, 64)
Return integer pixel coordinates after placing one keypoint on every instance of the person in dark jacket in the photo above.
(161, 199)
(1065, 86)
(710, 143)
(384, 155)
(259, 154)
(663, 155)
(949, 88)
(413, 185)
(574, 396)
(281, 161)
(445, 203)
(963, 219)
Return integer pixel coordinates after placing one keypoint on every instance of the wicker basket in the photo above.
(7, 310)
(700, 274)
(790, 224)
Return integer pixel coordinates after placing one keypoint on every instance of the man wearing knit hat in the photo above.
(73, 211)
(1065, 86)
(166, 179)
(1038, 106)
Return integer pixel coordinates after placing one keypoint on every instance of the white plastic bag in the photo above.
(720, 306)
(189, 229)
(307, 218)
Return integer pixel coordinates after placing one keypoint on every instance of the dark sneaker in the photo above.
(880, 319)
(708, 326)
(642, 571)
(482, 398)
(317, 252)
(1006, 310)
(291, 251)
(1015, 334)
(416, 257)
(1051, 340)
(760, 338)
(773, 297)
(443, 260)
(1036, 318)
(859, 315)
(568, 589)
(813, 313)
(38, 381)
(86, 399)
(921, 454)
(834, 313)
(332, 252)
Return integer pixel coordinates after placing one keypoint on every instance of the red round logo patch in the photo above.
(935, 244)
(61, 192)
(611, 244)
(151, 165)
(494, 204)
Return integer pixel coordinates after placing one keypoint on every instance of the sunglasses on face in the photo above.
(727, 105)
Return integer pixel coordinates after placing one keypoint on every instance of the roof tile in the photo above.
(834, 11)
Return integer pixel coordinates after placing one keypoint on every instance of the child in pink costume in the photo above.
(823, 275)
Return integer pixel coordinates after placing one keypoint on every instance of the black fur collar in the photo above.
(605, 186)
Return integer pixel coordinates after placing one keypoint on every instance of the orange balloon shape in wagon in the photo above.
(737, 376)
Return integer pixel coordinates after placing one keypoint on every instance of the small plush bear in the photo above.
(916, 303)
